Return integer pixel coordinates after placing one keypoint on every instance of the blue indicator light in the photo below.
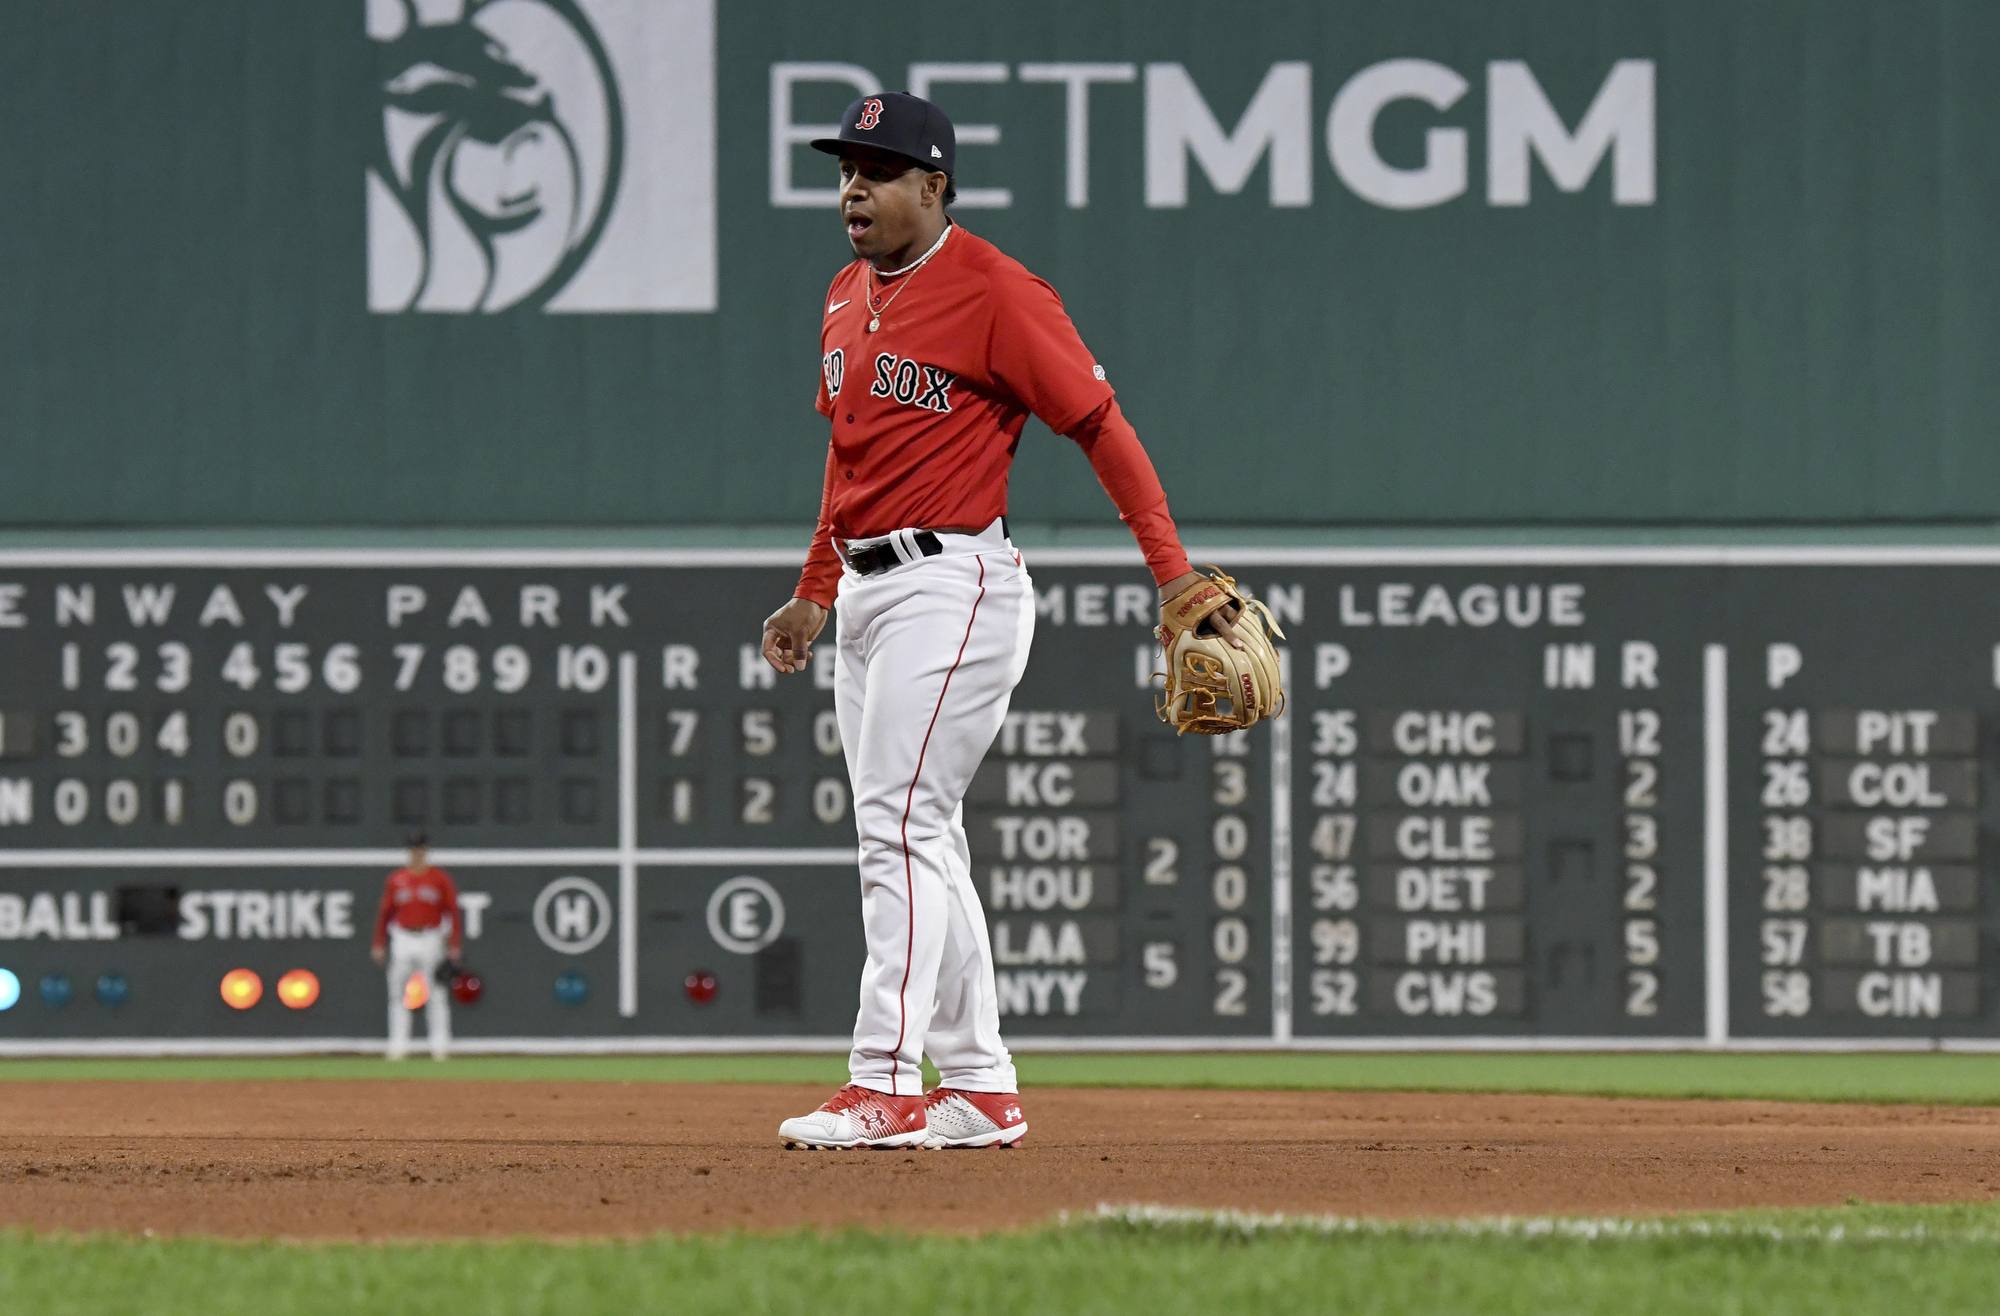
(113, 989)
(10, 989)
(56, 990)
(572, 989)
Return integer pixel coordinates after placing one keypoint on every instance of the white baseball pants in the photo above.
(929, 654)
(412, 953)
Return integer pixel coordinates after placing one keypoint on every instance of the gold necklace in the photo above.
(908, 273)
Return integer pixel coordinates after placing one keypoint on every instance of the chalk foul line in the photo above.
(1582, 1228)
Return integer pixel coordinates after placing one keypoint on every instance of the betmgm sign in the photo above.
(561, 155)
(542, 154)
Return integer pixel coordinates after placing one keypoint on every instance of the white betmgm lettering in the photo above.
(1350, 135)
(1179, 123)
(1276, 129)
(1519, 119)
(1076, 80)
(922, 78)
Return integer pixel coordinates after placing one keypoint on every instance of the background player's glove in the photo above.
(1212, 686)
(443, 972)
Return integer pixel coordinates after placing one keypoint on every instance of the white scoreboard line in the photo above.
(1715, 840)
(1247, 555)
(366, 857)
(1282, 971)
(1263, 555)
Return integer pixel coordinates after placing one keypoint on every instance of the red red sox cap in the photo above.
(899, 122)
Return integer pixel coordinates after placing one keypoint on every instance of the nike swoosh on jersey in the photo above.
(836, 306)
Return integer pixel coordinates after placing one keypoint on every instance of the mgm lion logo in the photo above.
(501, 148)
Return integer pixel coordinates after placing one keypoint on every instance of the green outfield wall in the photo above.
(533, 262)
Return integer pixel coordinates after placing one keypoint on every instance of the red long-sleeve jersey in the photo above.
(927, 410)
(419, 902)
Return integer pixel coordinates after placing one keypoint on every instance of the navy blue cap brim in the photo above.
(834, 146)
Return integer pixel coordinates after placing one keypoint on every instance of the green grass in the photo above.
(1853, 1259)
(1890, 1077)
(1929, 1260)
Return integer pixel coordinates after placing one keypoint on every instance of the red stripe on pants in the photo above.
(909, 880)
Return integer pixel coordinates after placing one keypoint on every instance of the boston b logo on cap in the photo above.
(899, 122)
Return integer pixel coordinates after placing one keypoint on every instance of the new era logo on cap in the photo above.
(936, 154)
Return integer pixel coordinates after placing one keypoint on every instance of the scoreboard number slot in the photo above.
(1640, 745)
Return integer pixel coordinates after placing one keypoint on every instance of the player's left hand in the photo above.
(1221, 616)
(379, 955)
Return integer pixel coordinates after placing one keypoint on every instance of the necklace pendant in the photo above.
(874, 324)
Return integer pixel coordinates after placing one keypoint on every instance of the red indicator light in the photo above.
(701, 986)
(241, 989)
(299, 988)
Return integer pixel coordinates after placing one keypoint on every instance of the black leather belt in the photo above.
(879, 557)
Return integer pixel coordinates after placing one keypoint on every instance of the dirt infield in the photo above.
(362, 1159)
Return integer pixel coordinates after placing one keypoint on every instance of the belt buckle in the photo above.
(865, 561)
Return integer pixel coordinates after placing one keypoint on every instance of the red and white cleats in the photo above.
(859, 1117)
(973, 1119)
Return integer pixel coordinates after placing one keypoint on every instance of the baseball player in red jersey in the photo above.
(417, 927)
(936, 348)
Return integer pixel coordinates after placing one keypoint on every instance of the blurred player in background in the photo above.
(417, 928)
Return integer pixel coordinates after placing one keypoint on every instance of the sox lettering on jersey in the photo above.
(909, 382)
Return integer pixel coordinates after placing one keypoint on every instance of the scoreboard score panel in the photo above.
(1524, 797)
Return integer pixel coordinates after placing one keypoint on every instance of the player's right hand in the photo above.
(789, 633)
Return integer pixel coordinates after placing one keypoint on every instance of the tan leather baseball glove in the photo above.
(1213, 687)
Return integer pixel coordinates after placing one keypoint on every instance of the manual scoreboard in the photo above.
(1548, 796)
